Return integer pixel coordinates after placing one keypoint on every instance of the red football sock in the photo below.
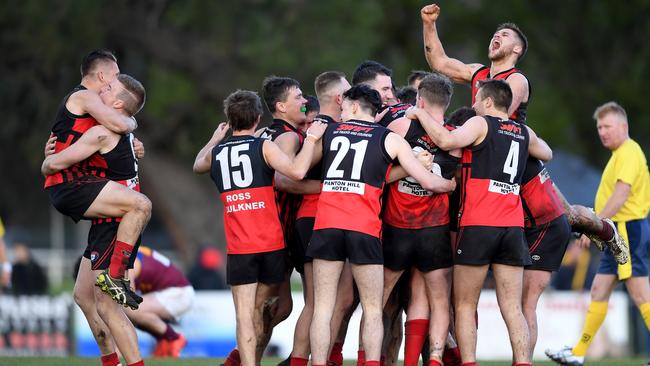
(297, 361)
(523, 364)
(607, 232)
(336, 355)
(110, 360)
(372, 363)
(361, 357)
(382, 359)
(434, 363)
(451, 356)
(139, 363)
(415, 333)
(170, 334)
(232, 359)
(120, 259)
(469, 364)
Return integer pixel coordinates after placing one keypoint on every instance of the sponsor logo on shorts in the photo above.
(536, 257)
(94, 256)
(459, 251)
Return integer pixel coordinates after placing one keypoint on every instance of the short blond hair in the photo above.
(607, 108)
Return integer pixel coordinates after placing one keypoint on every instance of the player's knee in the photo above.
(83, 299)
(143, 204)
(285, 305)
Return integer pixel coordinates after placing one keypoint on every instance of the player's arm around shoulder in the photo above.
(398, 148)
(203, 160)
(537, 147)
(86, 101)
(435, 54)
(519, 86)
(89, 143)
(295, 168)
(289, 144)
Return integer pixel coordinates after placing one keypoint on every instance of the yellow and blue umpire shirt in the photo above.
(629, 165)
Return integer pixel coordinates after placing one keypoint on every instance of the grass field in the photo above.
(78, 361)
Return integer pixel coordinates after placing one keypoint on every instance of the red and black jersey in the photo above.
(310, 201)
(492, 173)
(408, 205)
(157, 272)
(68, 128)
(245, 182)
(355, 165)
(540, 200)
(483, 73)
(288, 203)
(394, 112)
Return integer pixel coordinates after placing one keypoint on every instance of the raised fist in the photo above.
(430, 13)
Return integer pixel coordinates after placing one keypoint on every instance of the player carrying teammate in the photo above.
(243, 169)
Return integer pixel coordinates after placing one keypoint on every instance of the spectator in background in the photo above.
(206, 272)
(27, 276)
(312, 109)
(5, 265)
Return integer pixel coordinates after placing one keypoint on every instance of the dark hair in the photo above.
(312, 104)
(95, 57)
(498, 90)
(326, 80)
(242, 108)
(520, 34)
(460, 116)
(436, 89)
(416, 75)
(368, 70)
(133, 94)
(407, 94)
(275, 89)
(368, 98)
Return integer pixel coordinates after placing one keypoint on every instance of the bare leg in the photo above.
(120, 326)
(393, 324)
(269, 308)
(244, 299)
(468, 281)
(535, 282)
(84, 296)
(346, 303)
(509, 283)
(438, 291)
(150, 316)
(580, 218)
(326, 279)
(639, 289)
(369, 280)
(301, 334)
(116, 200)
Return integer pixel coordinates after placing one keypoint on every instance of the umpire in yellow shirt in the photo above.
(624, 196)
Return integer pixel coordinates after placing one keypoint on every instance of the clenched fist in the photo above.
(430, 13)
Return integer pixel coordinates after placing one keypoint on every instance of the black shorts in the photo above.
(73, 198)
(425, 249)
(454, 206)
(478, 245)
(268, 268)
(547, 243)
(101, 242)
(298, 251)
(339, 245)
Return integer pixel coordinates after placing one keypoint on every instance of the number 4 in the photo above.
(512, 160)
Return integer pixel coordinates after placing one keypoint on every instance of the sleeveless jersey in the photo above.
(491, 176)
(68, 128)
(122, 168)
(540, 201)
(483, 73)
(288, 203)
(157, 272)
(408, 205)
(310, 201)
(355, 165)
(394, 112)
(245, 182)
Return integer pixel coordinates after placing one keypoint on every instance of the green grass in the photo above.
(78, 361)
